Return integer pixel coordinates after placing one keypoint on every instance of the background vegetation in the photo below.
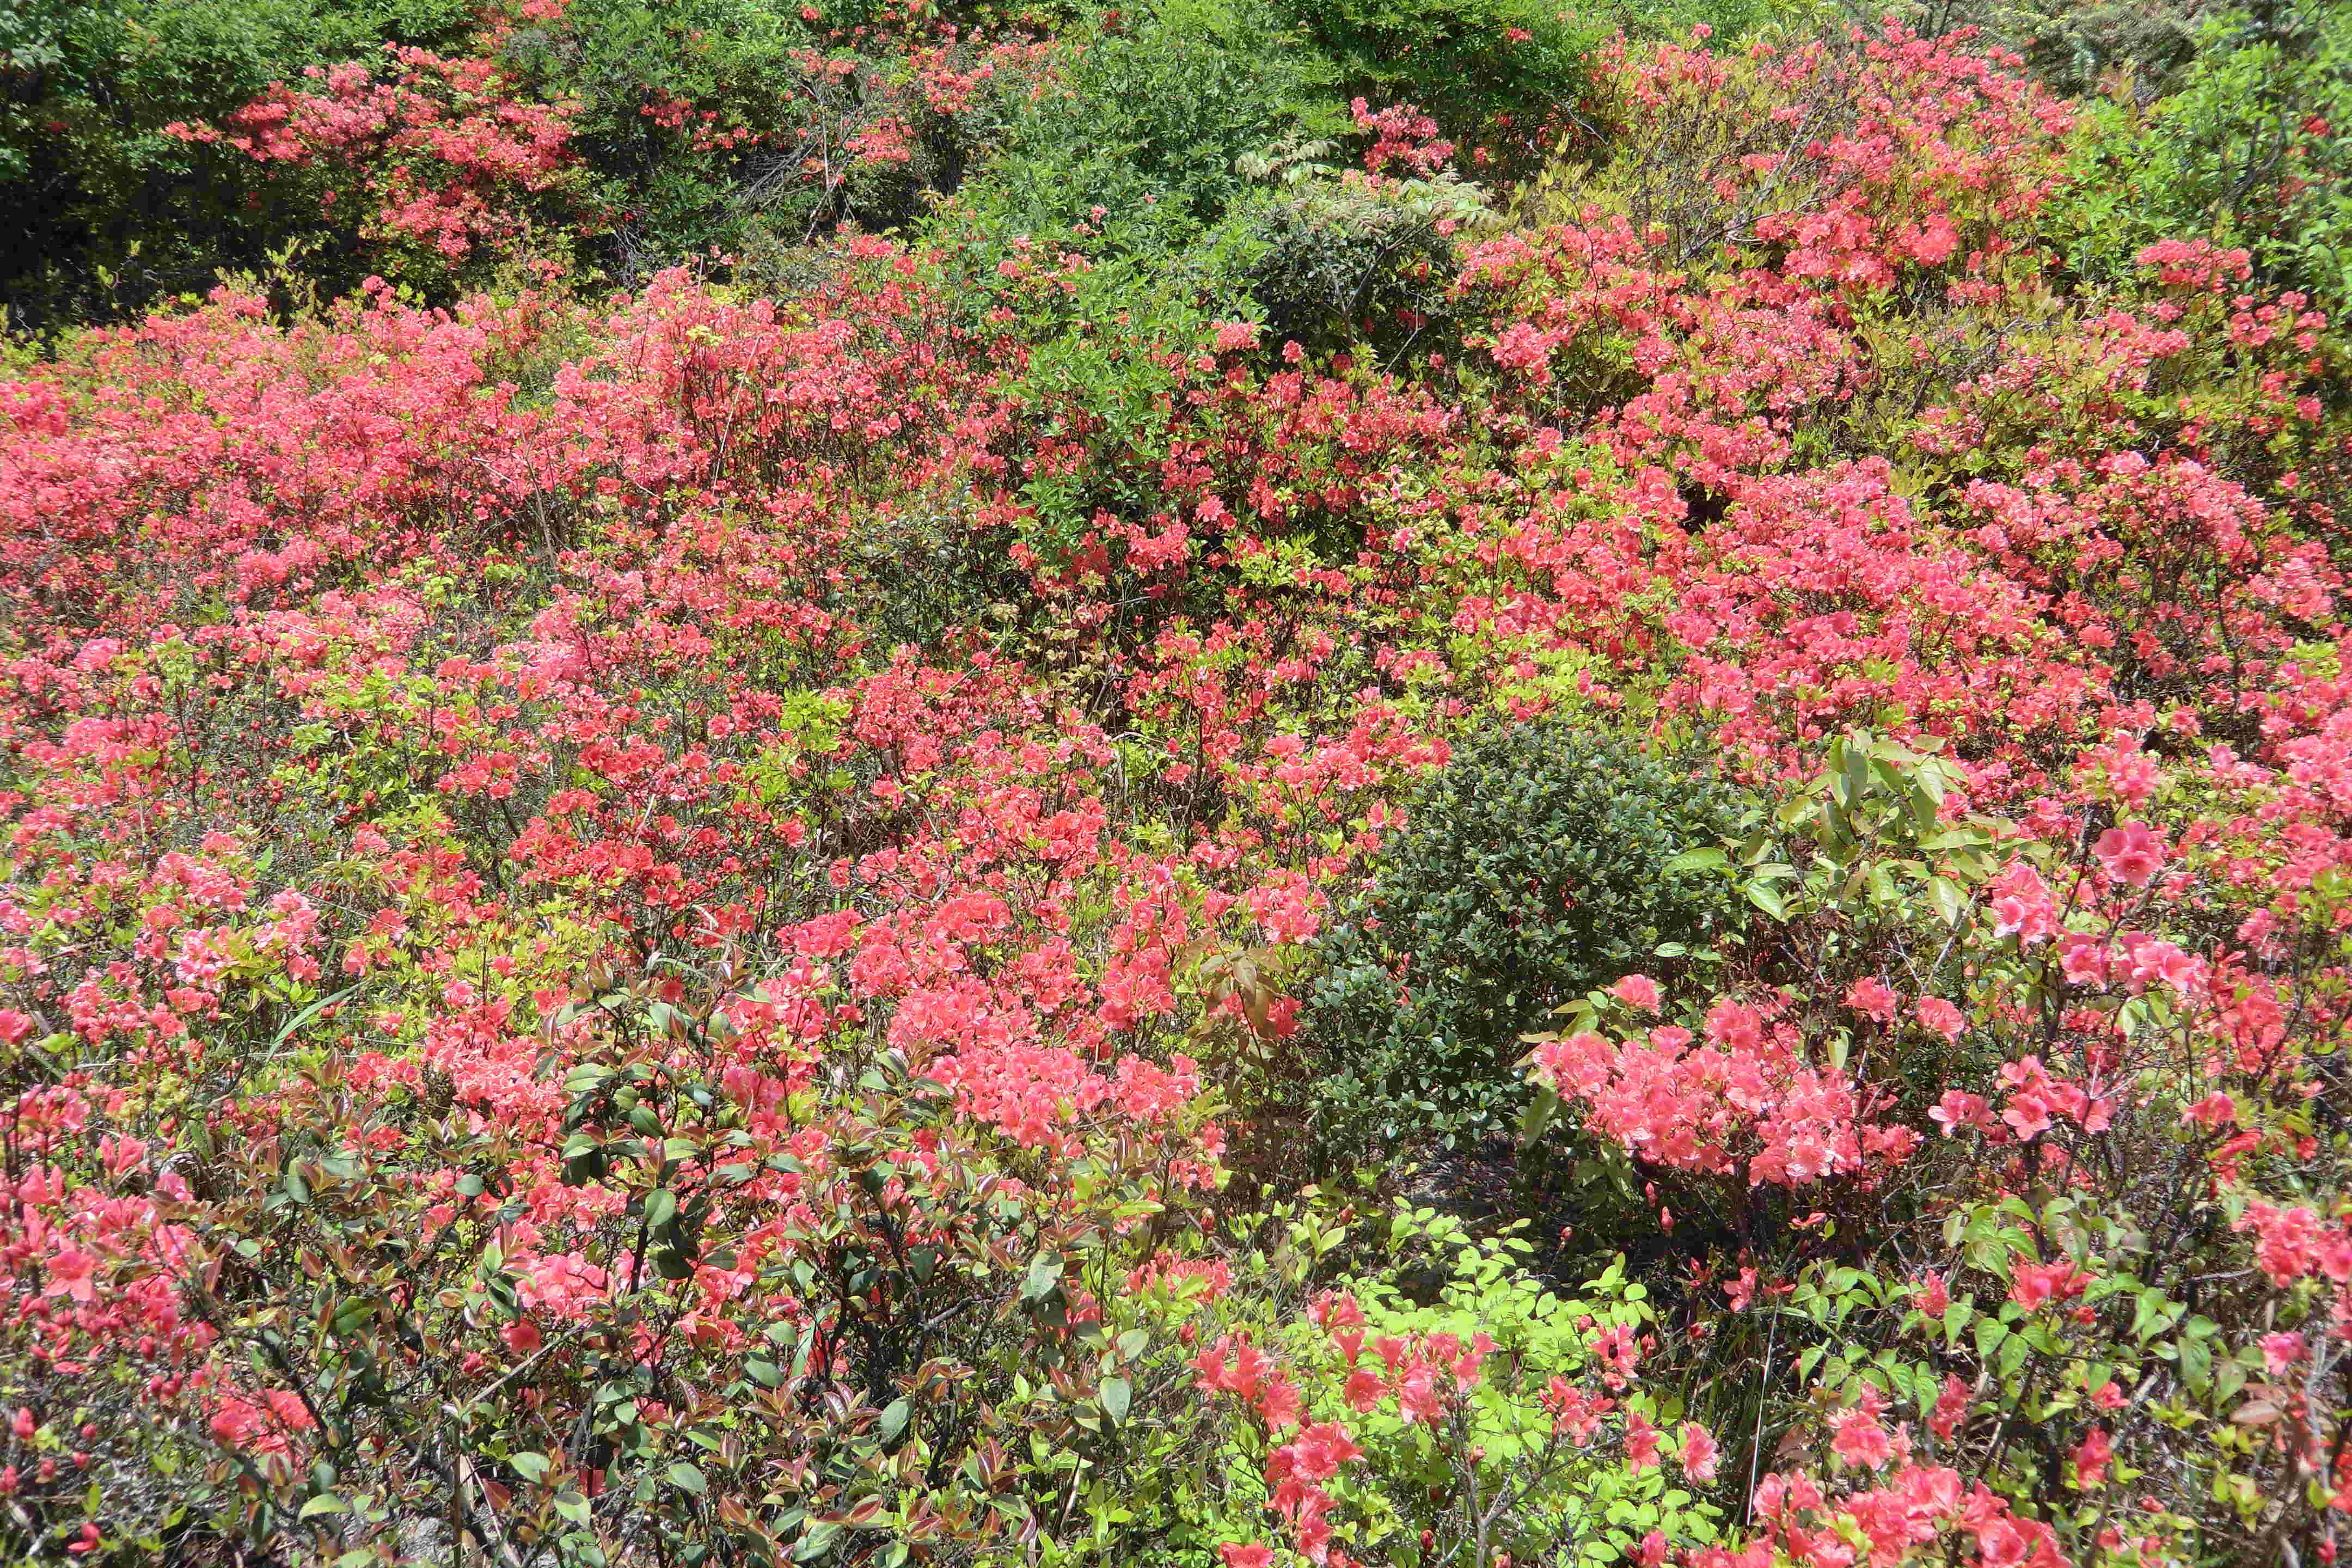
(1216, 783)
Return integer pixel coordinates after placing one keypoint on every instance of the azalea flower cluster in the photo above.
(444, 146)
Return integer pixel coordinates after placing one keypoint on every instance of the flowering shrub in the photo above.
(697, 926)
(436, 146)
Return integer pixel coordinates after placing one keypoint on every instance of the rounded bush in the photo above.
(1531, 868)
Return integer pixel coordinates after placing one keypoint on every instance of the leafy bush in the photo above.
(2254, 150)
(1350, 257)
(1137, 135)
(1532, 869)
(1499, 75)
(1116, 220)
(108, 210)
(1471, 1406)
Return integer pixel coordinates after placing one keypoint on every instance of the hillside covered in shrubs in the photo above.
(1232, 784)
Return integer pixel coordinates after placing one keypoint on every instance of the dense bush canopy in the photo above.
(1209, 784)
(1532, 868)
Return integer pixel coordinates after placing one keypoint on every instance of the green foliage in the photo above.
(2077, 47)
(1183, 1471)
(1346, 258)
(1497, 71)
(1505, 1444)
(1865, 876)
(2254, 150)
(106, 210)
(1146, 119)
(1866, 841)
(1110, 338)
(1535, 868)
(1124, 210)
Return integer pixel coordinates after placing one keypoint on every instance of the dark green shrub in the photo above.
(1346, 258)
(1495, 73)
(1531, 869)
(106, 211)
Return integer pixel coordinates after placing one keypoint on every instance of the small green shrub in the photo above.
(2254, 150)
(1143, 125)
(1494, 73)
(1530, 871)
(1349, 259)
